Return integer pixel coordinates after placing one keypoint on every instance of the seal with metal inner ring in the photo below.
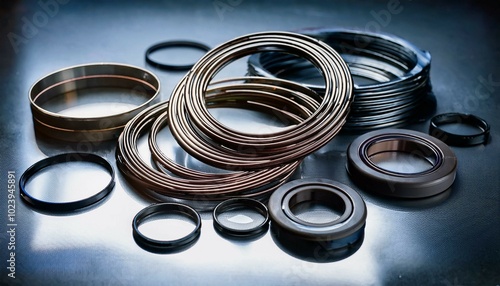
(457, 139)
(173, 44)
(334, 234)
(65, 206)
(365, 173)
(238, 204)
(166, 245)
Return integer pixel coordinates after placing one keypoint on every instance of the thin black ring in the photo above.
(170, 44)
(457, 139)
(231, 204)
(166, 208)
(63, 158)
(337, 234)
(401, 185)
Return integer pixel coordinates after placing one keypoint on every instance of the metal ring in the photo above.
(172, 44)
(66, 206)
(97, 75)
(198, 187)
(367, 174)
(338, 233)
(239, 204)
(399, 71)
(250, 151)
(166, 208)
(457, 139)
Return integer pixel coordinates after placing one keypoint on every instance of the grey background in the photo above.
(454, 241)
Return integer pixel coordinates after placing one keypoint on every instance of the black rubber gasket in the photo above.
(375, 179)
(173, 44)
(239, 203)
(339, 233)
(65, 206)
(166, 245)
(456, 139)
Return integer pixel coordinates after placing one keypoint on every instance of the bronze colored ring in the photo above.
(191, 185)
(226, 147)
(98, 75)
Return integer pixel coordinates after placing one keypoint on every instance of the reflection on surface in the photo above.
(95, 102)
(314, 251)
(68, 182)
(166, 227)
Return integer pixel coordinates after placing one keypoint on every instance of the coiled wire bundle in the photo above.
(257, 164)
(211, 142)
(392, 85)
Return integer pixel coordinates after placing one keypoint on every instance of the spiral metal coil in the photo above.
(394, 85)
(215, 144)
(257, 164)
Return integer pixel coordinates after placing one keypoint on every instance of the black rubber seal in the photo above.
(166, 245)
(456, 139)
(339, 233)
(172, 44)
(65, 206)
(236, 204)
(375, 179)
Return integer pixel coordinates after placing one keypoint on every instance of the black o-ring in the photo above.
(166, 245)
(371, 177)
(237, 203)
(65, 206)
(456, 139)
(171, 44)
(339, 233)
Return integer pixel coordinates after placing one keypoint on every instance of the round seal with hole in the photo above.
(342, 225)
(173, 44)
(457, 139)
(166, 245)
(59, 159)
(367, 174)
(244, 207)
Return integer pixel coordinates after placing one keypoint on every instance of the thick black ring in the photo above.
(166, 208)
(430, 182)
(63, 158)
(238, 203)
(336, 234)
(456, 139)
(171, 44)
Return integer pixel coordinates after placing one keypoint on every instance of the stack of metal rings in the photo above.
(257, 164)
(392, 85)
(211, 142)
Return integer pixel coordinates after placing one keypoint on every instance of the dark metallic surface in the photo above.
(450, 241)
(65, 206)
(373, 178)
(457, 139)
